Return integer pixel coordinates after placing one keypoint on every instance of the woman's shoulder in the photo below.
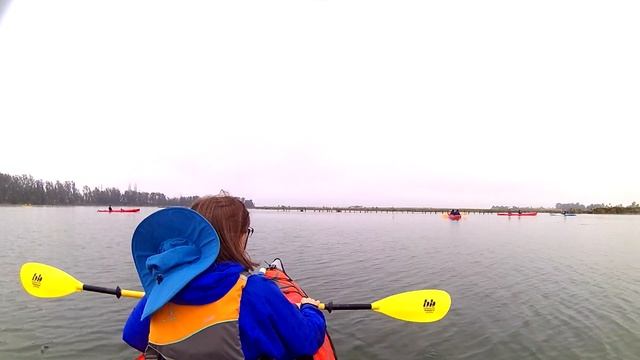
(258, 284)
(261, 295)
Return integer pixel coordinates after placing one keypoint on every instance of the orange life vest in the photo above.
(198, 331)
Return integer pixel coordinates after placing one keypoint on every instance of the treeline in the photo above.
(24, 189)
(617, 210)
(634, 208)
(578, 206)
(516, 208)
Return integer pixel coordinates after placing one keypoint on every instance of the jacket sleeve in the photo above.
(136, 331)
(274, 327)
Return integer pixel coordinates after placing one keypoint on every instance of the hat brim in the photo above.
(175, 222)
(177, 279)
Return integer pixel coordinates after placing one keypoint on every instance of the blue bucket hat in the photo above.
(171, 247)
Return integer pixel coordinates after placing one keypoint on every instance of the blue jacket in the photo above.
(270, 326)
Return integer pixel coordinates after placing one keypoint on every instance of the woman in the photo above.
(200, 303)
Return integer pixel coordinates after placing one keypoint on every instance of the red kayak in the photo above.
(119, 210)
(533, 213)
(293, 292)
(455, 217)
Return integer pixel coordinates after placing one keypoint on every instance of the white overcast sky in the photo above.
(405, 103)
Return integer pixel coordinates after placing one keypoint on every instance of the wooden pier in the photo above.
(363, 209)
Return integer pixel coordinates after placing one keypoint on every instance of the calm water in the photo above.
(544, 287)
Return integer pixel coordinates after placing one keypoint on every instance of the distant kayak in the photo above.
(119, 210)
(553, 214)
(455, 217)
(533, 213)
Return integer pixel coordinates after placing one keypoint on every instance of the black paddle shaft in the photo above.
(330, 306)
(117, 291)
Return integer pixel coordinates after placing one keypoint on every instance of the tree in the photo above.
(24, 189)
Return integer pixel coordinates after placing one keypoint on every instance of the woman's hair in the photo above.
(230, 218)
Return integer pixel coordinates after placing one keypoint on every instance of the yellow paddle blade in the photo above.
(44, 281)
(416, 306)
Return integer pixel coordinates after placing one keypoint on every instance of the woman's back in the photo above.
(199, 301)
(267, 323)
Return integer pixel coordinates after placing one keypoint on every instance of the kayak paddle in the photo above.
(414, 306)
(45, 281)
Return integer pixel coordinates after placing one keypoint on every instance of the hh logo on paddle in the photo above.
(36, 280)
(429, 305)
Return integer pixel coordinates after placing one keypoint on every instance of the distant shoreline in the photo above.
(377, 209)
(352, 209)
(24, 190)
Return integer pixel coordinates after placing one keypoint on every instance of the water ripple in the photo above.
(540, 288)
